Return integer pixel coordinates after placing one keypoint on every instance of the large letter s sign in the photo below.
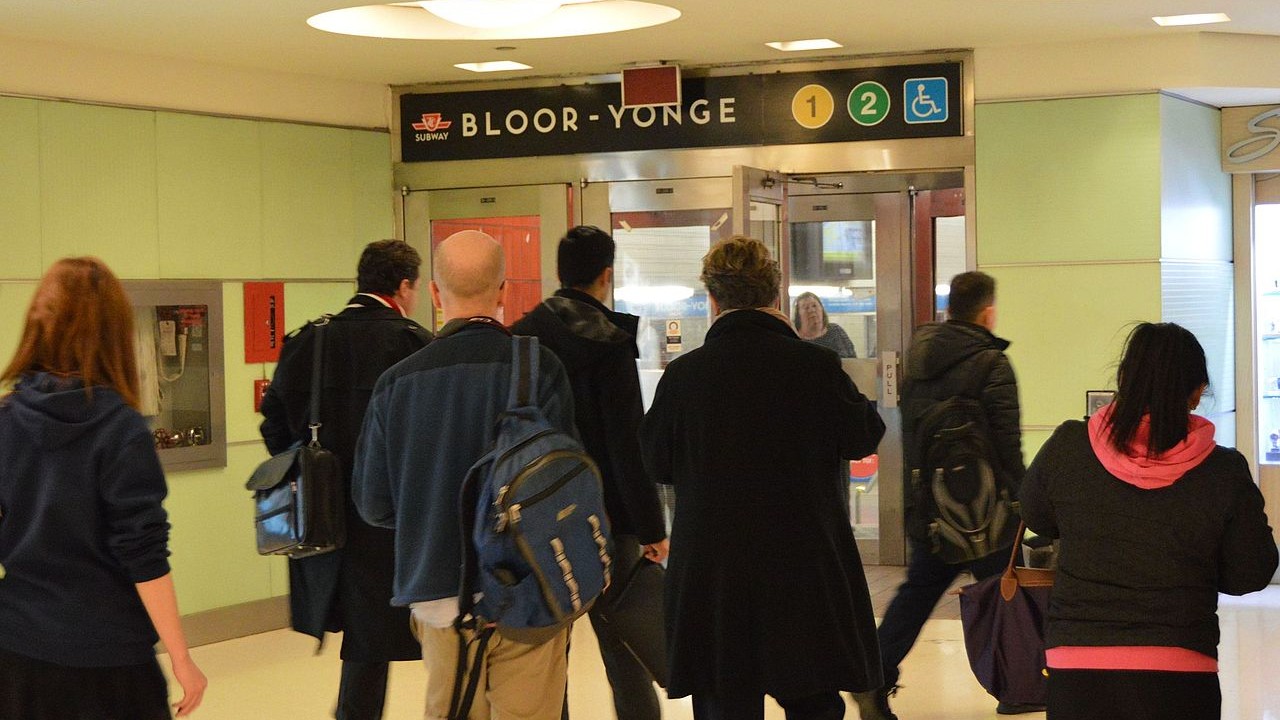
(1269, 138)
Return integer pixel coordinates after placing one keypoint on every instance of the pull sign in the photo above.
(889, 370)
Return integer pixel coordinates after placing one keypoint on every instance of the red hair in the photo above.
(80, 324)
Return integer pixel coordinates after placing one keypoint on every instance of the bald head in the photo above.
(468, 274)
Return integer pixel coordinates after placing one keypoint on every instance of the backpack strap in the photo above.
(466, 684)
(524, 372)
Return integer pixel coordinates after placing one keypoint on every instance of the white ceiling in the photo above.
(272, 34)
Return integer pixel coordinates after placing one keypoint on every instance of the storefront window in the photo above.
(1267, 282)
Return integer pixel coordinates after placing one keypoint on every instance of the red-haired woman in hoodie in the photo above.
(85, 588)
(1155, 519)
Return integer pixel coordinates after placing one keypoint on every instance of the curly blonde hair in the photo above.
(740, 273)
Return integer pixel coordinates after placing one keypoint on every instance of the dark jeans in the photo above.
(927, 579)
(634, 697)
(362, 692)
(1133, 695)
(750, 706)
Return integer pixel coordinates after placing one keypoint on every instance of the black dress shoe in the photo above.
(1005, 708)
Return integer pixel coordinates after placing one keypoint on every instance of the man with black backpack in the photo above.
(433, 425)
(963, 465)
(598, 347)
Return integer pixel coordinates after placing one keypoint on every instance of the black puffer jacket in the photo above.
(960, 358)
(598, 349)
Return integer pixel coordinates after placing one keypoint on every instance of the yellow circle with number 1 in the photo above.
(812, 106)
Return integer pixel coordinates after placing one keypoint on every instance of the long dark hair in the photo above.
(1163, 367)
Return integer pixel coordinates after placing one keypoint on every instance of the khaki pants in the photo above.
(517, 681)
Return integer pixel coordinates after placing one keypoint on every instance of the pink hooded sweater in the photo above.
(1148, 473)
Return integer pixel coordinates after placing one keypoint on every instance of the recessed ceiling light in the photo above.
(566, 18)
(494, 66)
(797, 45)
(490, 13)
(1198, 19)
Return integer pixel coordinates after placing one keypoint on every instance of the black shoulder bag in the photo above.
(299, 510)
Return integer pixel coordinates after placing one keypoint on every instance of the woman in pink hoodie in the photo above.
(1155, 519)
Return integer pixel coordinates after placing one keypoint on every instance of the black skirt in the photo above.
(1133, 695)
(33, 689)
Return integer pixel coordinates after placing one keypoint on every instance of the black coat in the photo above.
(765, 589)
(598, 349)
(348, 590)
(962, 359)
(1144, 567)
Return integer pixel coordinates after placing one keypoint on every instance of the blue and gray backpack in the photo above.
(535, 535)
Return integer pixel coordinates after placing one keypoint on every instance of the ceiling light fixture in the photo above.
(564, 18)
(798, 45)
(493, 66)
(1196, 19)
(490, 13)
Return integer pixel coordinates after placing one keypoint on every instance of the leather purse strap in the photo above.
(1015, 577)
(317, 382)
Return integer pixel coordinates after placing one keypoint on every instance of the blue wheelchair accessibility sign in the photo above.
(924, 100)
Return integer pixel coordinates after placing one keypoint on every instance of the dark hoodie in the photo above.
(81, 522)
(598, 349)
(1147, 543)
(963, 359)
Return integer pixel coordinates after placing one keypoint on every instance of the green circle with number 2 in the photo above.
(869, 103)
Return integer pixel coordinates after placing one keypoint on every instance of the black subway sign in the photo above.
(905, 101)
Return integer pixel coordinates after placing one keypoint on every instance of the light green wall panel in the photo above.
(307, 202)
(19, 188)
(14, 299)
(1195, 193)
(1033, 440)
(215, 559)
(210, 196)
(372, 186)
(1067, 325)
(1062, 180)
(98, 186)
(308, 301)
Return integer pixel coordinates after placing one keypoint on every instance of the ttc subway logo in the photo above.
(431, 127)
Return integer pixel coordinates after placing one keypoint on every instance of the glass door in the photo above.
(528, 220)
(870, 258)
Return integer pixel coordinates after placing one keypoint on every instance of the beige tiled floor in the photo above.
(277, 676)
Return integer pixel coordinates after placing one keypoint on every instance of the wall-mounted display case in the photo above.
(178, 339)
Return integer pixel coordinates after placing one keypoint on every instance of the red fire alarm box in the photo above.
(259, 391)
(263, 321)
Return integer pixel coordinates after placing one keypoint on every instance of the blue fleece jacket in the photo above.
(81, 522)
(432, 416)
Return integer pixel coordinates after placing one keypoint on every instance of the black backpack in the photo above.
(961, 503)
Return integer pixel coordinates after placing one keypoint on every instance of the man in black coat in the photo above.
(598, 349)
(349, 590)
(765, 590)
(955, 358)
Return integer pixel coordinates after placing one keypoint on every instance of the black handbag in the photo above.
(634, 612)
(299, 509)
